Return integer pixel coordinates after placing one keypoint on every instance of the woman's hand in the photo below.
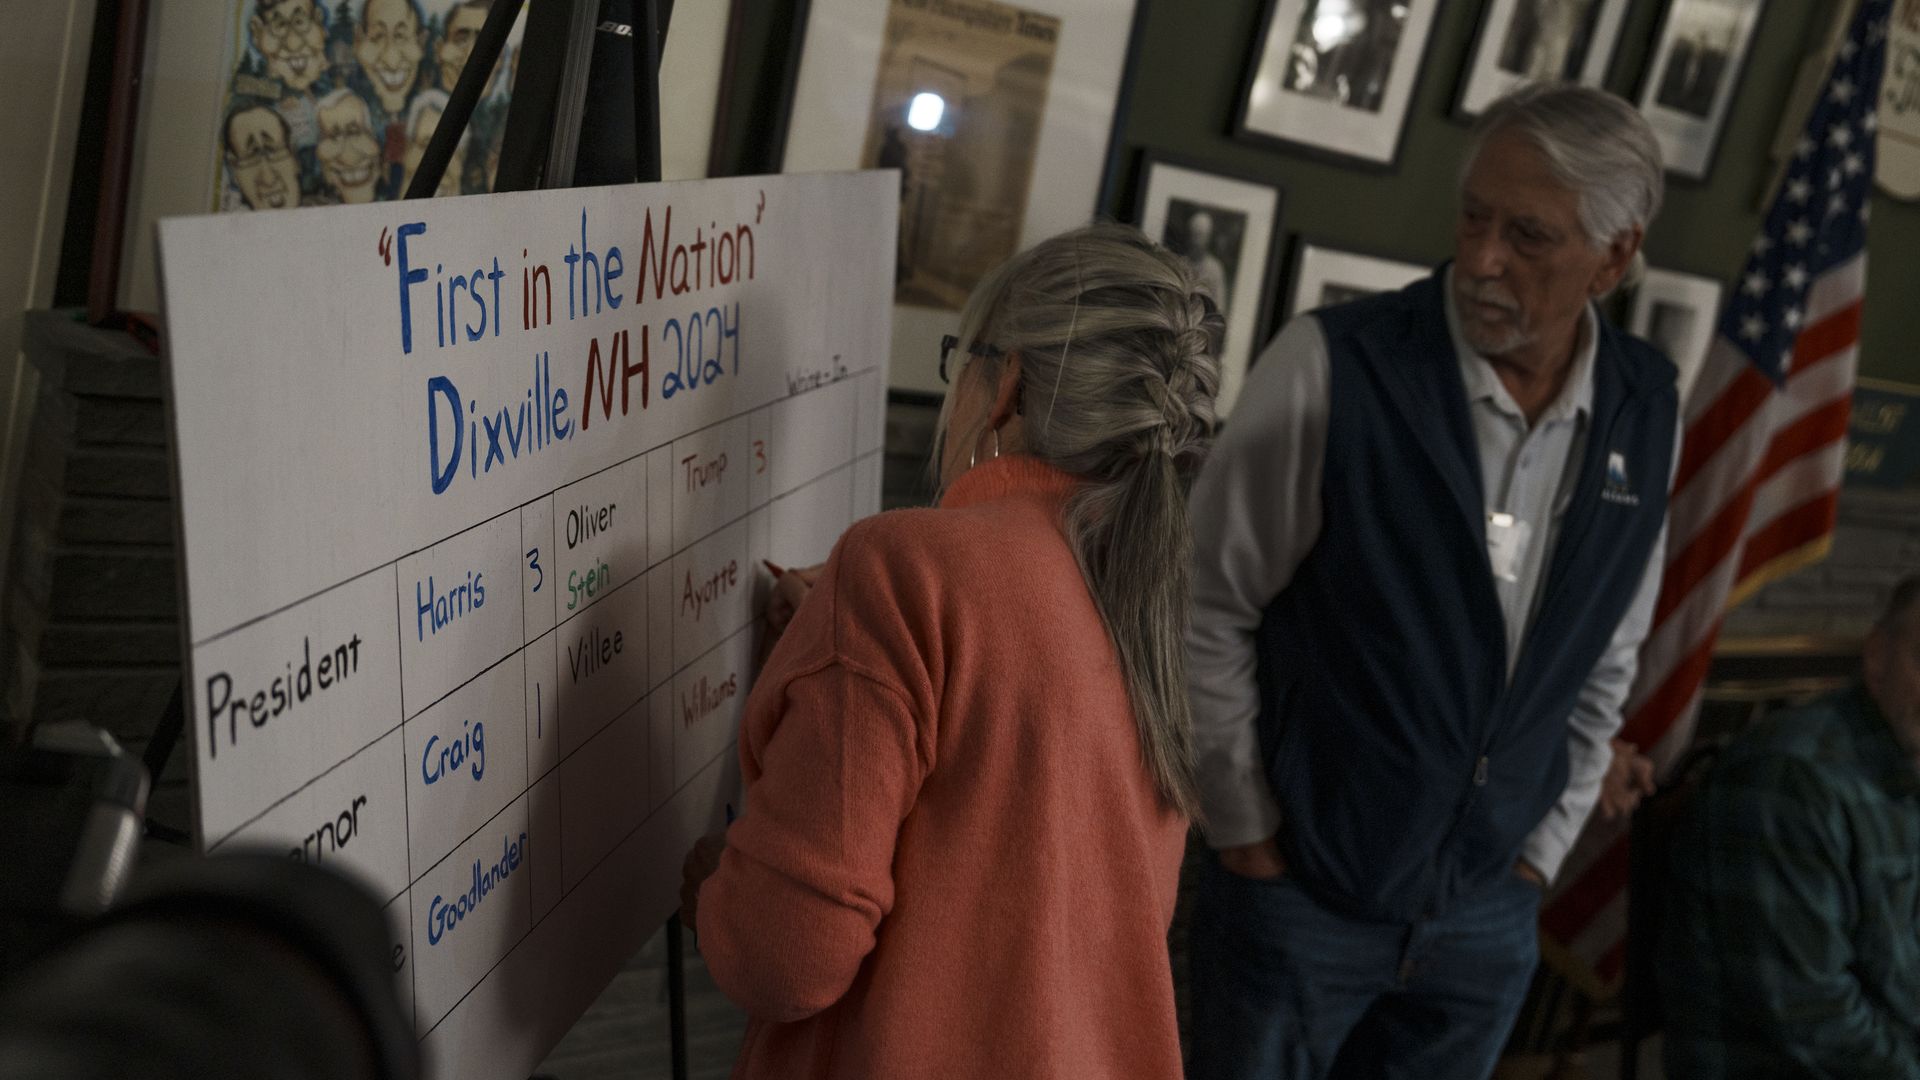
(789, 590)
(701, 862)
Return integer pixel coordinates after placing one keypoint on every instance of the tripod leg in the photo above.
(466, 94)
(649, 34)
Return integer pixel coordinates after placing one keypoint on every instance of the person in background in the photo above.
(423, 116)
(457, 40)
(1791, 944)
(388, 43)
(1213, 275)
(259, 160)
(292, 37)
(967, 761)
(1428, 548)
(348, 154)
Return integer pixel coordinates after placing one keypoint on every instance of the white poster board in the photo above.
(471, 582)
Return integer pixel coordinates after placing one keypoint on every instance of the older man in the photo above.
(348, 153)
(457, 40)
(292, 36)
(1793, 935)
(259, 160)
(1427, 550)
(388, 44)
(422, 117)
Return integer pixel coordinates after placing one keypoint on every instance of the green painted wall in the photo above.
(1188, 74)
(1188, 67)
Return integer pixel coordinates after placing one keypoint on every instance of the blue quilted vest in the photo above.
(1408, 768)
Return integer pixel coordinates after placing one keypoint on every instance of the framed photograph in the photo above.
(1521, 41)
(1227, 227)
(1335, 77)
(1677, 312)
(1698, 59)
(999, 117)
(334, 101)
(1324, 276)
(1898, 158)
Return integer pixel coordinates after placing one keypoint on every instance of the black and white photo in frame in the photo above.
(1227, 229)
(1324, 276)
(1678, 313)
(1897, 159)
(1688, 89)
(999, 116)
(1522, 41)
(1336, 76)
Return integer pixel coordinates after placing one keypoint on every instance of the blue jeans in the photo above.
(1284, 989)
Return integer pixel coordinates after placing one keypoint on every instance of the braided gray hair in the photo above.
(1119, 347)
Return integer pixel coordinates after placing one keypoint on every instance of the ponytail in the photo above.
(1119, 345)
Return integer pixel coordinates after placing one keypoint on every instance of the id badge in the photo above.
(1507, 538)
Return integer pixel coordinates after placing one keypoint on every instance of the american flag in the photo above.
(1761, 462)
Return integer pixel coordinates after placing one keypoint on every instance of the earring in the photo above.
(973, 455)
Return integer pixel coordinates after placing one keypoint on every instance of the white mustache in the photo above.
(1486, 292)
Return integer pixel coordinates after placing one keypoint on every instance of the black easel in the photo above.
(572, 123)
(557, 134)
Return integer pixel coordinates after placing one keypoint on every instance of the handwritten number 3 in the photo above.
(533, 563)
(760, 455)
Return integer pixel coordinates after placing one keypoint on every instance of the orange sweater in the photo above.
(953, 861)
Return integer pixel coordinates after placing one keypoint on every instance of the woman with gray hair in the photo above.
(968, 761)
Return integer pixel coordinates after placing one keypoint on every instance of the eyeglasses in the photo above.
(283, 27)
(948, 343)
(270, 155)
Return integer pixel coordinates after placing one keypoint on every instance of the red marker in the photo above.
(772, 569)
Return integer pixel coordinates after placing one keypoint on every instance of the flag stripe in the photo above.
(1757, 482)
(1829, 336)
(1576, 906)
(1613, 962)
(1729, 466)
(1698, 558)
(1720, 421)
(1651, 720)
(1800, 480)
(1819, 428)
(1798, 527)
(1674, 639)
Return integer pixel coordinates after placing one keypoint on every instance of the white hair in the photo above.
(422, 101)
(334, 97)
(1595, 143)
